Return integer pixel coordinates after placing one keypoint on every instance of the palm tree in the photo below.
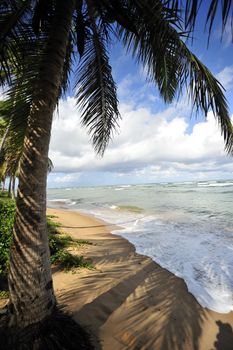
(12, 133)
(42, 41)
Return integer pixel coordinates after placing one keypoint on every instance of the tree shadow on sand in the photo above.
(146, 309)
(224, 337)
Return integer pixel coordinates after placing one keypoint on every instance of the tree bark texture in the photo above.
(30, 280)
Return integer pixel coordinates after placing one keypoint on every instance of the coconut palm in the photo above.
(42, 41)
(11, 141)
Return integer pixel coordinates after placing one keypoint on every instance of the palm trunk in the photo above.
(30, 280)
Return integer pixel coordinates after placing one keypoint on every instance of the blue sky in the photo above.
(155, 142)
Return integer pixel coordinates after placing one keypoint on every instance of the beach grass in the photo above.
(70, 262)
(59, 243)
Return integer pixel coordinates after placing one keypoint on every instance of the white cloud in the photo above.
(225, 36)
(151, 146)
(66, 178)
(225, 77)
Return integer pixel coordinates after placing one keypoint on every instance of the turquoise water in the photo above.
(185, 227)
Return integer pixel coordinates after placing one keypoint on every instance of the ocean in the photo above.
(186, 227)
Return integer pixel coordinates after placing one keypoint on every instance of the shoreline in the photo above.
(131, 302)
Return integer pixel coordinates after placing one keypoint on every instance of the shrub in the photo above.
(57, 241)
(7, 214)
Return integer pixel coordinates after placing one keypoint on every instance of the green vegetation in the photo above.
(58, 243)
(69, 261)
(4, 196)
(4, 294)
(40, 42)
(7, 212)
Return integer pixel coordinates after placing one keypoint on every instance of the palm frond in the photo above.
(67, 67)
(192, 8)
(50, 165)
(15, 110)
(172, 66)
(80, 28)
(96, 91)
(207, 93)
(15, 113)
(16, 36)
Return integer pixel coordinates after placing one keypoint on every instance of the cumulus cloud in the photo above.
(149, 145)
(67, 178)
(225, 77)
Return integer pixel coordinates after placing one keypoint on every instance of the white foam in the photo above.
(113, 207)
(58, 200)
(204, 260)
(62, 201)
(214, 184)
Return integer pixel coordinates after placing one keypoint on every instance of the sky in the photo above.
(155, 142)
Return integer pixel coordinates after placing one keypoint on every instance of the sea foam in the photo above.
(200, 255)
(187, 228)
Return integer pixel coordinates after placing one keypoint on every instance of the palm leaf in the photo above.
(16, 36)
(96, 91)
(172, 66)
(192, 8)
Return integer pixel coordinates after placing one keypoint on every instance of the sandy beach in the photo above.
(129, 301)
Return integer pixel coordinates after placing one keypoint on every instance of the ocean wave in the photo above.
(214, 184)
(190, 234)
(189, 250)
(61, 202)
(189, 255)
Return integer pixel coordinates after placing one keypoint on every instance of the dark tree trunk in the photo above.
(30, 280)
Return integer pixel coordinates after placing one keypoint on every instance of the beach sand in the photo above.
(129, 301)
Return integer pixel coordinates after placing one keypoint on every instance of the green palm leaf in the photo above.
(96, 91)
(192, 8)
(172, 66)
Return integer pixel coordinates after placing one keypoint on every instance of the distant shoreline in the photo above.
(129, 301)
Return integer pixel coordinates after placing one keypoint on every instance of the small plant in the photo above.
(52, 216)
(4, 294)
(52, 225)
(3, 194)
(58, 242)
(69, 261)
